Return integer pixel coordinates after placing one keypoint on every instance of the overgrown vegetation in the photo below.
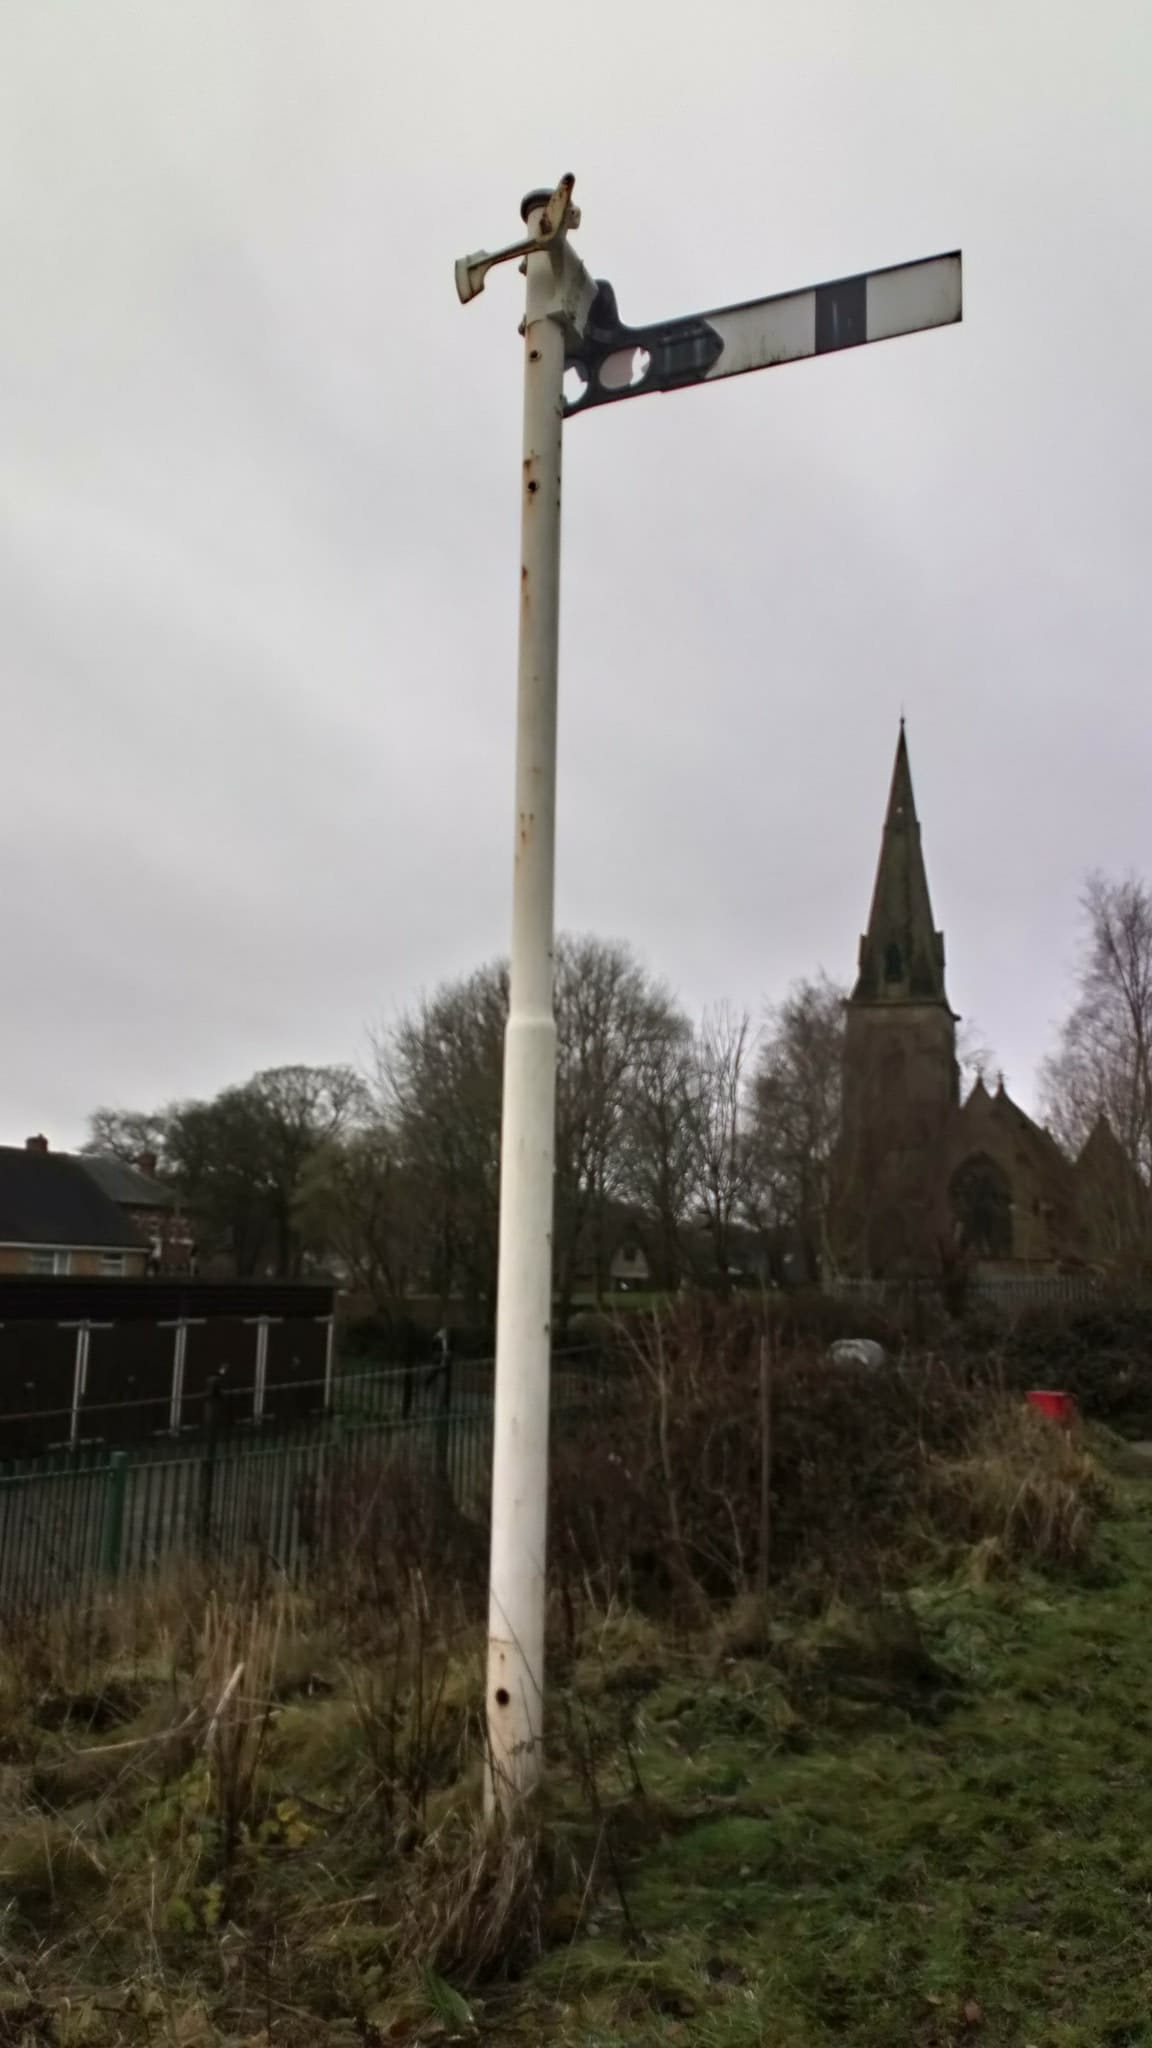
(874, 1474)
(1101, 1352)
(900, 1798)
(1098, 1349)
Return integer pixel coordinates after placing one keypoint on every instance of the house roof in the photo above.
(46, 1198)
(124, 1184)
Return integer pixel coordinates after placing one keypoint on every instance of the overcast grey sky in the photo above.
(259, 505)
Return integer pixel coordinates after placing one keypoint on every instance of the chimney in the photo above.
(146, 1163)
(37, 1144)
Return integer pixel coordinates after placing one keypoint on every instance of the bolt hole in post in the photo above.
(502, 1696)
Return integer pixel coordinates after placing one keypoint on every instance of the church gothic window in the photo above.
(982, 1206)
(893, 964)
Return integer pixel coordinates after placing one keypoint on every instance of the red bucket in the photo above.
(1058, 1407)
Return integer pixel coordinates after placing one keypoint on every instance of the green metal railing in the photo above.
(71, 1520)
(78, 1518)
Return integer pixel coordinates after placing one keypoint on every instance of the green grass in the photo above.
(632, 1301)
(982, 1873)
(829, 1847)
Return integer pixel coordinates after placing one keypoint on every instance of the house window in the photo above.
(111, 1264)
(49, 1263)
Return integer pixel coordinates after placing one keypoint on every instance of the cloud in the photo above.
(258, 510)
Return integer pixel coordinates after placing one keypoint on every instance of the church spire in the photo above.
(901, 953)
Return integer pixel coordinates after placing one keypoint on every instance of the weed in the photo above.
(902, 1782)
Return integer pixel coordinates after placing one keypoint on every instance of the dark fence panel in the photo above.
(202, 1359)
(148, 1353)
(37, 1365)
(129, 1384)
(27, 1299)
(226, 1346)
(133, 1370)
(297, 1353)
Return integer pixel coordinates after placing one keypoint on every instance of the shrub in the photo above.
(1099, 1351)
(657, 1498)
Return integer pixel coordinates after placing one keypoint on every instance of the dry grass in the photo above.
(1025, 1490)
(660, 1503)
(258, 1805)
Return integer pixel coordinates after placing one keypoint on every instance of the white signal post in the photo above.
(571, 323)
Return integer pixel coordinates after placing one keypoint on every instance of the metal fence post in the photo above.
(208, 1463)
(329, 1358)
(444, 1420)
(112, 1533)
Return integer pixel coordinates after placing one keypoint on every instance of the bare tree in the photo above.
(1097, 1086)
(240, 1159)
(658, 1156)
(796, 1115)
(440, 1077)
(607, 1008)
(355, 1202)
(716, 1123)
(438, 1087)
(128, 1134)
(1103, 1063)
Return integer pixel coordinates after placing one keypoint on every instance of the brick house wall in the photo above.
(87, 1265)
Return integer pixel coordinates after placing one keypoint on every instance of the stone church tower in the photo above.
(901, 1083)
(922, 1184)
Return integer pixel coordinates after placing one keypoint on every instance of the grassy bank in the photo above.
(908, 1861)
(903, 1803)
